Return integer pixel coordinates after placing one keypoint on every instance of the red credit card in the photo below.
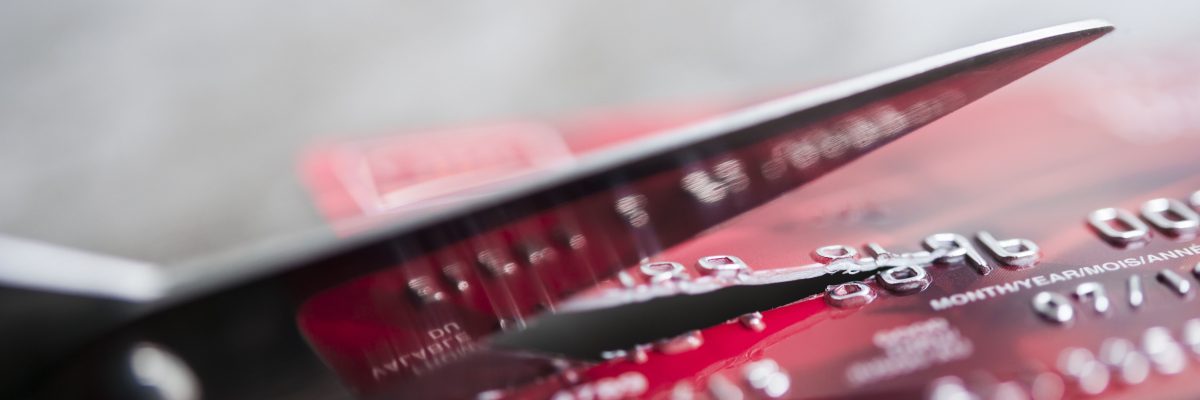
(1068, 324)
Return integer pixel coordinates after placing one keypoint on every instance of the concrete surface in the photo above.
(167, 131)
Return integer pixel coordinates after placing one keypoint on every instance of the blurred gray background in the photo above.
(168, 131)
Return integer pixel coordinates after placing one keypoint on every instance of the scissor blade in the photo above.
(825, 128)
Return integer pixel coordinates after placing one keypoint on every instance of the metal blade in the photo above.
(841, 122)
